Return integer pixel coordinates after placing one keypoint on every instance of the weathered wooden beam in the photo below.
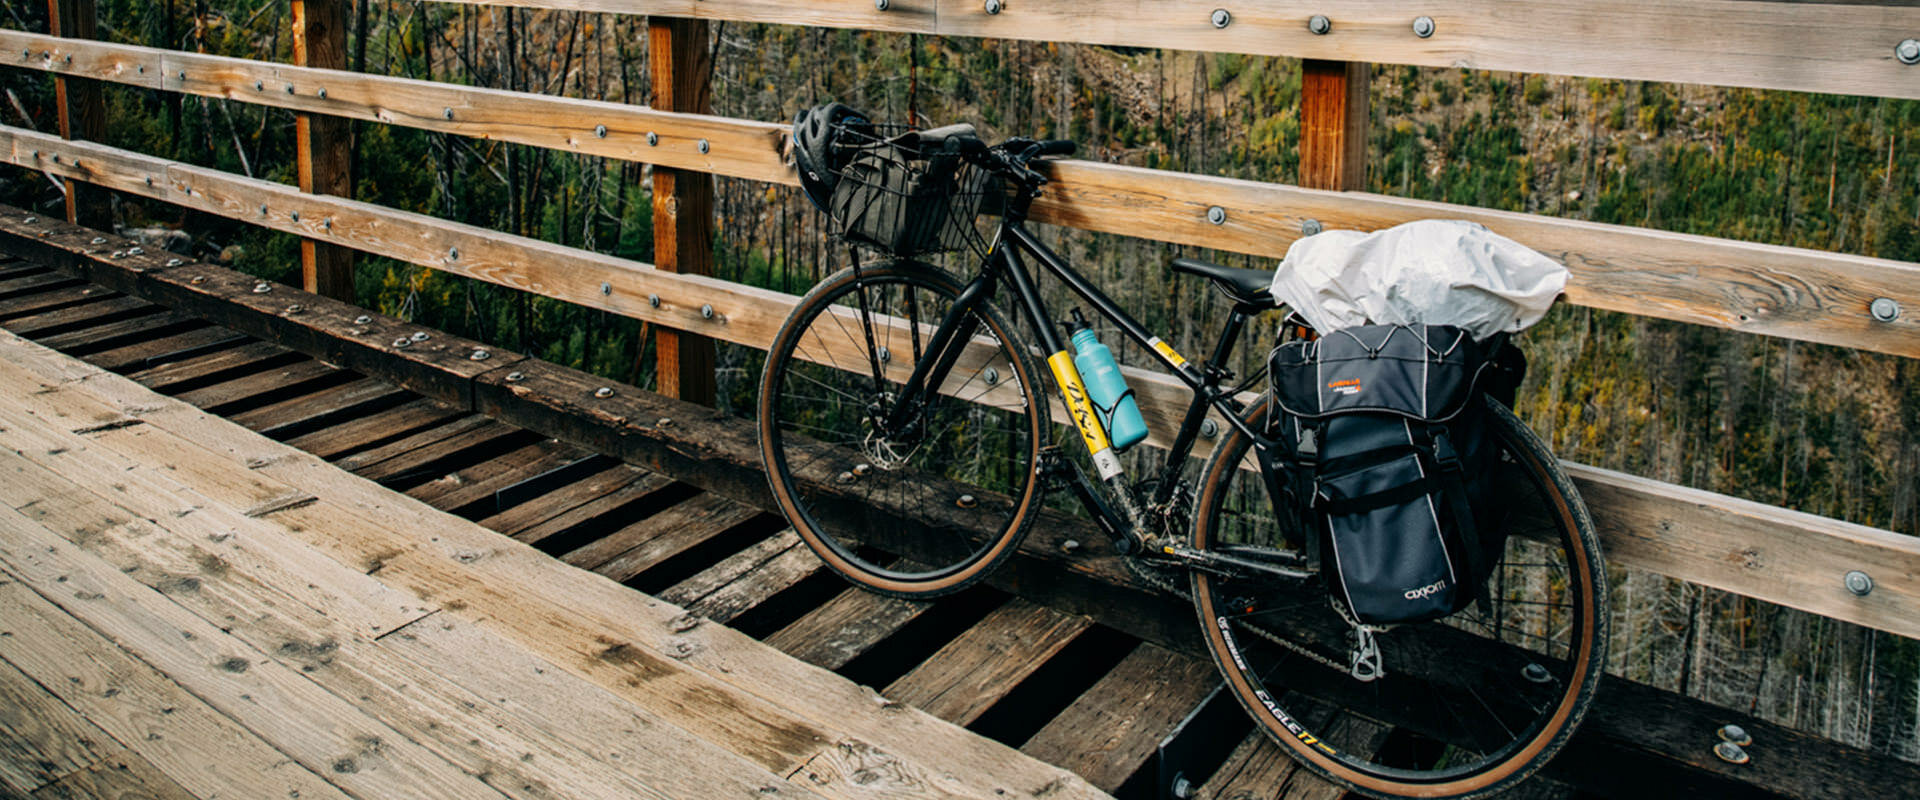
(82, 109)
(1841, 48)
(323, 148)
(680, 69)
(1333, 125)
(1795, 293)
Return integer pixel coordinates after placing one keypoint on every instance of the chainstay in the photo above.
(1160, 579)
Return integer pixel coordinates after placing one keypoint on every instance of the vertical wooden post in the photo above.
(323, 145)
(1333, 125)
(82, 111)
(682, 200)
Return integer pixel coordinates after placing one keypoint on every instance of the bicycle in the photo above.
(908, 382)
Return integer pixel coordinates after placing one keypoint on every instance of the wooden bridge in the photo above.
(257, 541)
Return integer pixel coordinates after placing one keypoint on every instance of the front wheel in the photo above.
(1469, 705)
(962, 463)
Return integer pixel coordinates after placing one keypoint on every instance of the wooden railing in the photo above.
(1753, 549)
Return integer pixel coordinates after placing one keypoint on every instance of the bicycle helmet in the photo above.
(815, 132)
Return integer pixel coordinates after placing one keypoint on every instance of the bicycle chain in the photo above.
(1153, 576)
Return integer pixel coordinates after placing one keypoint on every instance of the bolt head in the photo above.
(706, 312)
(31, 220)
(289, 88)
(886, 356)
(600, 131)
(653, 300)
(1209, 429)
(296, 216)
(993, 6)
(1859, 583)
(1536, 673)
(1222, 18)
(1735, 734)
(296, 308)
(198, 279)
(1319, 24)
(174, 262)
(1731, 753)
(1908, 51)
(453, 254)
(1216, 215)
(606, 288)
(992, 376)
(1423, 27)
(323, 94)
(653, 139)
(1309, 227)
(448, 113)
(966, 501)
(402, 343)
(259, 86)
(880, 5)
(262, 288)
(421, 336)
(603, 392)
(363, 319)
(99, 240)
(480, 355)
(705, 146)
(516, 377)
(1885, 309)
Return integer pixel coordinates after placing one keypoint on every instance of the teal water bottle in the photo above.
(1106, 387)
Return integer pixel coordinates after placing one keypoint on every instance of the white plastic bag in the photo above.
(1437, 272)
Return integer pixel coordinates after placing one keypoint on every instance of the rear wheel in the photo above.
(845, 469)
(1469, 705)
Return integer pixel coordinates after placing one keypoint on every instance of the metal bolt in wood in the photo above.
(1319, 24)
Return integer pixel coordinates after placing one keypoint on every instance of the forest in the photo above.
(1825, 430)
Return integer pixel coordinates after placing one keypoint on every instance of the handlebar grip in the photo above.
(1055, 147)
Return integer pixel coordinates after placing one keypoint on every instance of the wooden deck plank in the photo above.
(584, 501)
(323, 732)
(294, 412)
(427, 704)
(193, 744)
(479, 481)
(243, 358)
(53, 323)
(42, 738)
(417, 451)
(745, 579)
(1117, 725)
(121, 332)
(638, 547)
(138, 355)
(64, 297)
(21, 283)
(971, 673)
(242, 388)
(121, 776)
(844, 627)
(820, 727)
(371, 429)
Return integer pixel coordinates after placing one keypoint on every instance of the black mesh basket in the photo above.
(890, 196)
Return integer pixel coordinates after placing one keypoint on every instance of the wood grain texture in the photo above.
(846, 626)
(323, 144)
(1117, 725)
(1333, 124)
(680, 67)
(81, 107)
(125, 775)
(1781, 44)
(42, 738)
(1778, 291)
(985, 662)
(194, 745)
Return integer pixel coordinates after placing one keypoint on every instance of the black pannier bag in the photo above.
(1384, 428)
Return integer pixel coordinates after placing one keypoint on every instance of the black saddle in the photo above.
(1248, 287)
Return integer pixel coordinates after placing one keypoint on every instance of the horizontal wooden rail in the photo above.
(1795, 293)
(1841, 48)
(1769, 553)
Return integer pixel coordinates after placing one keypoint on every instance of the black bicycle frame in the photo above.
(1004, 262)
